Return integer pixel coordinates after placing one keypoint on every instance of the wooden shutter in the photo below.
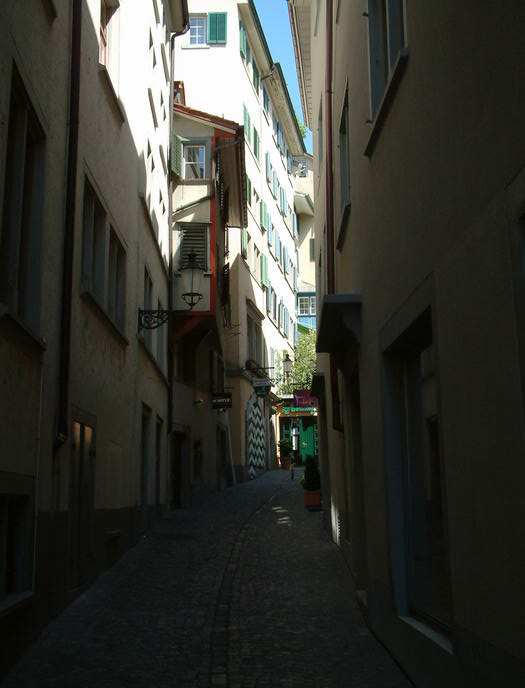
(268, 167)
(221, 27)
(194, 239)
(176, 155)
(244, 243)
(242, 32)
(216, 27)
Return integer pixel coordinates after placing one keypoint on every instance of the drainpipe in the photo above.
(330, 266)
(67, 267)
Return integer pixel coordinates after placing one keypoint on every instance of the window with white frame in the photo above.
(386, 33)
(304, 305)
(21, 229)
(194, 159)
(197, 29)
(312, 305)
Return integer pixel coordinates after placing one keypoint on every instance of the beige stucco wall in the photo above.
(431, 201)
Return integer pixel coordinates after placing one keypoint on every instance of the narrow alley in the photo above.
(244, 589)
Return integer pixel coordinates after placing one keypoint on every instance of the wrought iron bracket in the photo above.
(151, 319)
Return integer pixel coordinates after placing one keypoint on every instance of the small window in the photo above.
(194, 156)
(255, 76)
(266, 101)
(116, 281)
(247, 125)
(197, 29)
(304, 305)
(386, 38)
(312, 250)
(21, 232)
(312, 305)
(148, 303)
(93, 244)
(344, 156)
(256, 143)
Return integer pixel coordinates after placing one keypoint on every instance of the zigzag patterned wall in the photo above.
(255, 436)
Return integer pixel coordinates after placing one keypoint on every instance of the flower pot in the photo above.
(312, 499)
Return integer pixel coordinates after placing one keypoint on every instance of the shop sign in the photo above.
(222, 400)
(262, 386)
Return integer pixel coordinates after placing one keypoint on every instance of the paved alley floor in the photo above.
(245, 590)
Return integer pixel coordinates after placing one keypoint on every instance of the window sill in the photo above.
(115, 100)
(343, 223)
(386, 101)
(437, 637)
(16, 601)
(154, 361)
(195, 47)
(90, 298)
(20, 328)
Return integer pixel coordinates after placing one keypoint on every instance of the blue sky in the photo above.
(276, 26)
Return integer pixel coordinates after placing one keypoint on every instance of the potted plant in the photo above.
(285, 449)
(311, 482)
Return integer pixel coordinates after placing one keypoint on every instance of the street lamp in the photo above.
(287, 366)
(192, 273)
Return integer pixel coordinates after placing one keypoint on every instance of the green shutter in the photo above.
(247, 124)
(242, 32)
(212, 27)
(264, 271)
(264, 216)
(217, 27)
(244, 243)
(176, 155)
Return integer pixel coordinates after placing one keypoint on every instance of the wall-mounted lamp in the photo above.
(287, 366)
(192, 274)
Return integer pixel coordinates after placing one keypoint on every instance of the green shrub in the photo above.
(285, 447)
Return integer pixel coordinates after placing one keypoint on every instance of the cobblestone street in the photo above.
(243, 590)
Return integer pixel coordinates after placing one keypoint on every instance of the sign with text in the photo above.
(222, 400)
(262, 386)
(304, 398)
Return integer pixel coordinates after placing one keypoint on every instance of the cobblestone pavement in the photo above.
(244, 590)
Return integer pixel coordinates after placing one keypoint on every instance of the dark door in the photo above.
(82, 567)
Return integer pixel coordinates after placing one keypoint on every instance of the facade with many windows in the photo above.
(419, 186)
(84, 243)
(250, 90)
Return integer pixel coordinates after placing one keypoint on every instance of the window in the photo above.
(247, 125)
(344, 156)
(255, 339)
(256, 263)
(148, 304)
(21, 230)
(320, 135)
(264, 271)
(417, 524)
(266, 102)
(312, 250)
(255, 76)
(193, 238)
(268, 167)
(194, 158)
(217, 28)
(197, 29)
(242, 39)
(264, 216)
(109, 36)
(116, 281)
(244, 243)
(256, 143)
(274, 306)
(93, 244)
(386, 38)
(275, 186)
(304, 305)
(249, 192)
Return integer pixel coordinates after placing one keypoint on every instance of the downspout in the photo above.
(67, 269)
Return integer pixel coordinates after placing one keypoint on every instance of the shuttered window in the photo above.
(270, 230)
(216, 27)
(194, 239)
(268, 167)
(242, 33)
(264, 215)
(244, 243)
(176, 155)
(247, 125)
(264, 270)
